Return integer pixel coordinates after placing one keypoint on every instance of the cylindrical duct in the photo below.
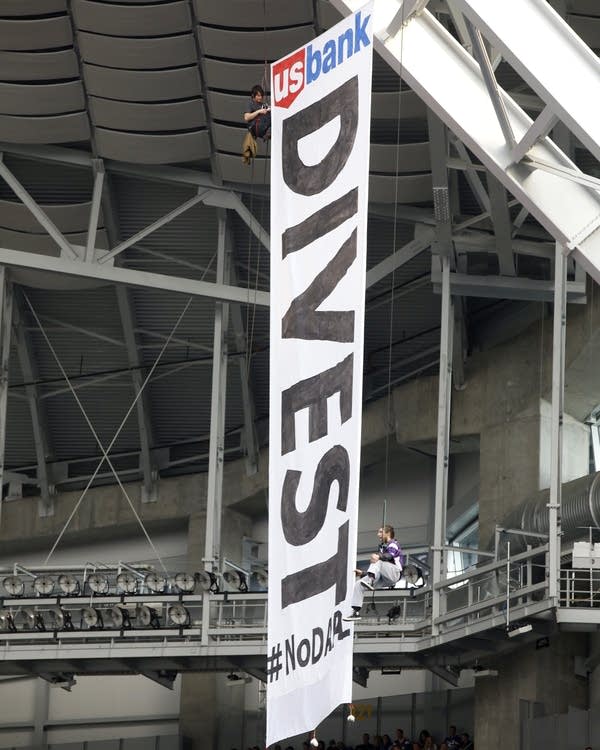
(580, 509)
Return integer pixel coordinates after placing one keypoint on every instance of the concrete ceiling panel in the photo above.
(72, 217)
(142, 85)
(233, 170)
(41, 99)
(410, 157)
(59, 129)
(152, 149)
(253, 45)
(404, 189)
(137, 54)
(225, 75)
(226, 106)
(132, 20)
(35, 34)
(228, 137)
(35, 66)
(385, 105)
(254, 13)
(32, 7)
(137, 117)
(43, 243)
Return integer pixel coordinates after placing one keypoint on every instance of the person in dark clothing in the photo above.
(257, 114)
(384, 570)
(452, 741)
(366, 743)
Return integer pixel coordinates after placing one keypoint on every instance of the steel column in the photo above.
(443, 443)
(558, 383)
(39, 425)
(214, 498)
(241, 342)
(6, 300)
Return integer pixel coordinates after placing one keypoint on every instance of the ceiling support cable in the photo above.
(104, 452)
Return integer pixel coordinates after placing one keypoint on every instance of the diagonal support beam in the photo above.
(95, 210)
(449, 80)
(37, 212)
(502, 226)
(153, 227)
(37, 413)
(128, 322)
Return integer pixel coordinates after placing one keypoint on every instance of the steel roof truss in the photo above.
(37, 212)
(449, 80)
(130, 277)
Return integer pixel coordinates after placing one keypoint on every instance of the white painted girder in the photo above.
(450, 81)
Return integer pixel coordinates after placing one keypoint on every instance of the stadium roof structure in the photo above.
(128, 116)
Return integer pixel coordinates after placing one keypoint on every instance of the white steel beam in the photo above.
(557, 64)
(130, 277)
(6, 305)
(214, 498)
(37, 212)
(38, 417)
(556, 424)
(443, 445)
(502, 226)
(449, 80)
(542, 125)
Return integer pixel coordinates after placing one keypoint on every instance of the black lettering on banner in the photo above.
(338, 628)
(329, 639)
(316, 655)
(310, 180)
(301, 527)
(315, 579)
(322, 222)
(290, 654)
(303, 659)
(304, 321)
(312, 394)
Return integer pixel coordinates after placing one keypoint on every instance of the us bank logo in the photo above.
(303, 67)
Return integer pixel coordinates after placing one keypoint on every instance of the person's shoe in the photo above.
(367, 583)
(354, 617)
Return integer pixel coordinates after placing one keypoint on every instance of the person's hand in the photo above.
(358, 571)
(374, 557)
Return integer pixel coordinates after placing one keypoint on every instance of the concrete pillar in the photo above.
(515, 461)
(546, 677)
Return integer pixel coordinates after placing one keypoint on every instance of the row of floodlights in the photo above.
(129, 583)
(91, 618)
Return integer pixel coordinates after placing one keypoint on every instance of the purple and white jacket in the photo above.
(391, 552)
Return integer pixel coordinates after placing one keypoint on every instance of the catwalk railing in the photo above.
(90, 608)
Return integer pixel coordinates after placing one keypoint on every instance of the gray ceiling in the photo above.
(165, 83)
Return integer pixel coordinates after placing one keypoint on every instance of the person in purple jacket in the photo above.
(384, 571)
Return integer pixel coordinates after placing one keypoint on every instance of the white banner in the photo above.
(321, 113)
